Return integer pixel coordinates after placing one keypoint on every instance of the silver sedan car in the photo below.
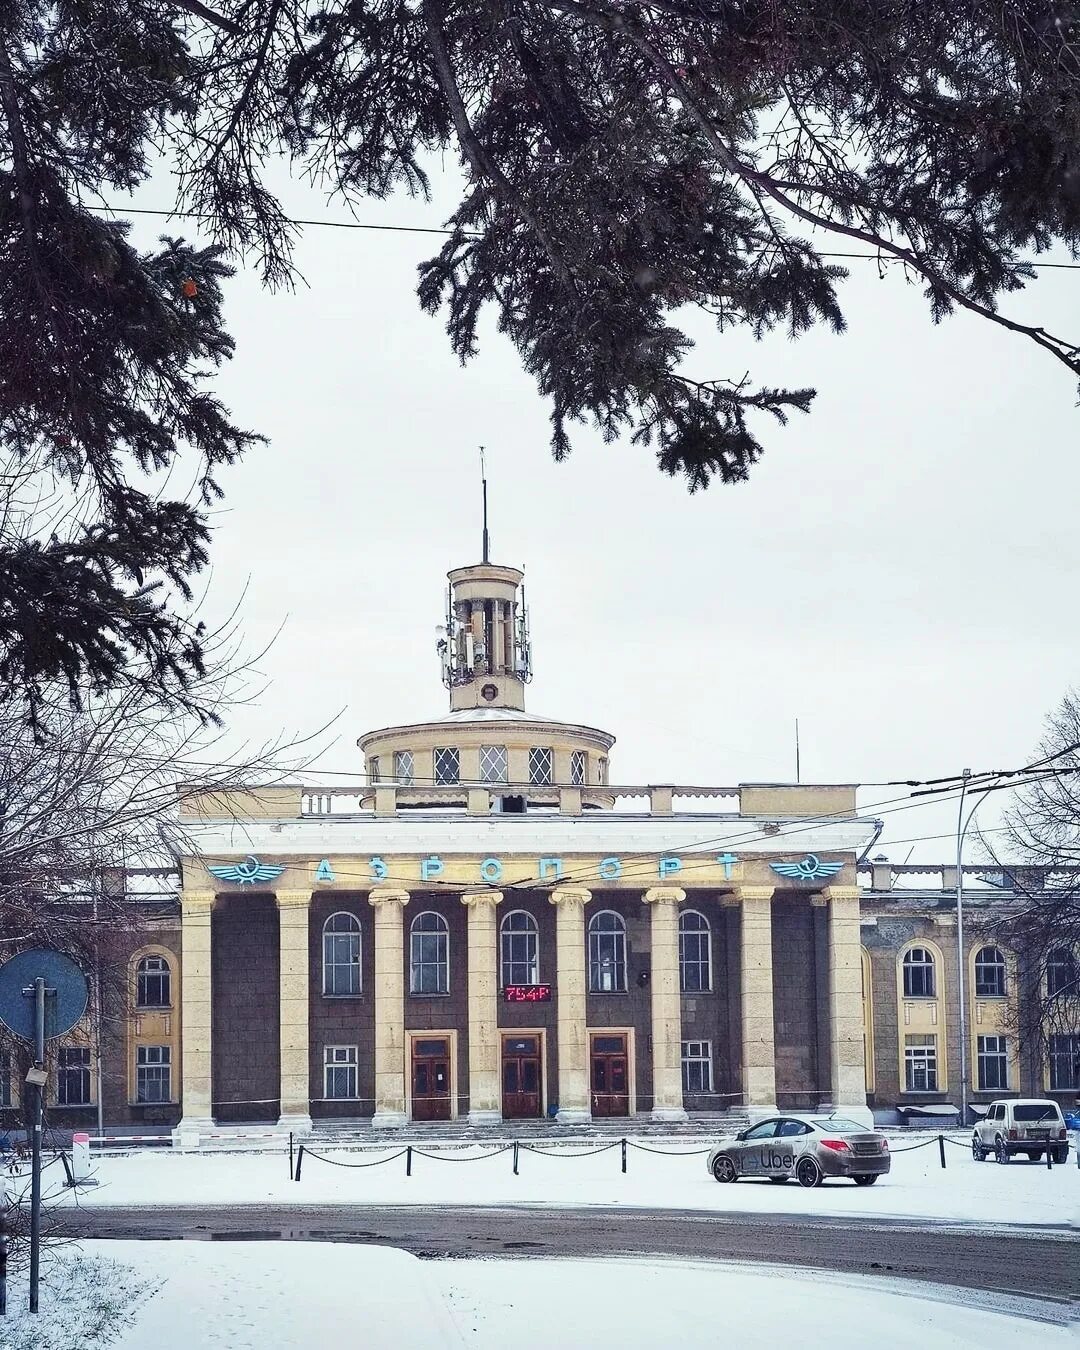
(809, 1148)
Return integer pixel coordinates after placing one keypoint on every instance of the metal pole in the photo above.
(3, 1247)
(99, 1024)
(960, 981)
(35, 1174)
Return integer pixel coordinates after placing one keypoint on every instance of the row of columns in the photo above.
(756, 999)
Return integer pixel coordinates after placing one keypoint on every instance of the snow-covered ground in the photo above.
(917, 1187)
(293, 1296)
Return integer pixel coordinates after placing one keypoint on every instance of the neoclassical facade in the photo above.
(487, 926)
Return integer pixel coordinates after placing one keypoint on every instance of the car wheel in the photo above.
(808, 1173)
(1061, 1155)
(724, 1170)
(778, 1181)
(1001, 1153)
(977, 1150)
(865, 1180)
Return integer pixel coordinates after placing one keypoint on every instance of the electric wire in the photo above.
(472, 234)
(641, 863)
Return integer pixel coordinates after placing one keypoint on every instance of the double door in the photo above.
(431, 1078)
(609, 1074)
(521, 1096)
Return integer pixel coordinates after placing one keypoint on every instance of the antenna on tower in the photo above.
(483, 489)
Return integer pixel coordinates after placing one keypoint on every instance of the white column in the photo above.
(666, 1002)
(846, 1049)
(758, 1034)
(484, 1066)
(389, 908)
(294, 910)
(196, 1012)
(573, 1049)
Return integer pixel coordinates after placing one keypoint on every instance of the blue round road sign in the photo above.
(65, 997)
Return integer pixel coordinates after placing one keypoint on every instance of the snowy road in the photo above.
(1041, 1264)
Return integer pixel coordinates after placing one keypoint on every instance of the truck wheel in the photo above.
(977, 1150)
(1001, 1153)
(1061, 1154)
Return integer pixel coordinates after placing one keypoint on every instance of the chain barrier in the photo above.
(671, 1153)
(925, 1143)
(441, 1157)
(624, 1145)
(562, 1153)
(305, 1152)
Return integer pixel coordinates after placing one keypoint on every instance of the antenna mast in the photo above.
(483, 487)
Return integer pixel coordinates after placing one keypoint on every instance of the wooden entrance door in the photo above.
(610, 1076)
(431, 1078)
(521, 1077)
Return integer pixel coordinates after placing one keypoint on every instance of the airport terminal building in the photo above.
(489, 927)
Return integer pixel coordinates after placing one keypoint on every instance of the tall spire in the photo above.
(486, 554)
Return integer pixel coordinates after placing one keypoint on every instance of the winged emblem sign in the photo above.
(810, 869)
(248, 872)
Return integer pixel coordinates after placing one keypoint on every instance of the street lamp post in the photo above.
(961, 830)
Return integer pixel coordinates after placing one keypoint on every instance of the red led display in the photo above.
(527, 993)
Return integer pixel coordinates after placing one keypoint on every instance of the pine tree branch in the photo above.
(20, 155)
(211, 16)
(482, 163)
(1067, 353)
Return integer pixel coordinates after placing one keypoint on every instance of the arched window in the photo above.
(695, 952)
(607, 953)
(341, 970)
(1061, 973)
(919, 974)
(153, 983)
(989, 973)
(429, 954)
(520, 949)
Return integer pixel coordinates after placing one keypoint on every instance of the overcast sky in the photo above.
(900, 573)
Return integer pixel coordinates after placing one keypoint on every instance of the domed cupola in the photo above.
(488, 740)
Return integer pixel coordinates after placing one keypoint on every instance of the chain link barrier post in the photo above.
(941, 1148)
(623, 1144)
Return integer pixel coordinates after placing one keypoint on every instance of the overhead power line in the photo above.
(435, 229)
(639, 863)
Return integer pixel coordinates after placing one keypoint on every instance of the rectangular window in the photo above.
(601, 770)
(993, 1065)
(373, 769)
(1064, 1063)
(697, 1066)
(577, 768)
(153, 983)
(920, 1061)
(73, 1076)
(153, 1074)
(493, 764)
(340, 1072)
(403, 767)
(540, 765)
(447, 765)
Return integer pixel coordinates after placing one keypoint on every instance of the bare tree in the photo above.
(89, 791)
(1042, 831)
